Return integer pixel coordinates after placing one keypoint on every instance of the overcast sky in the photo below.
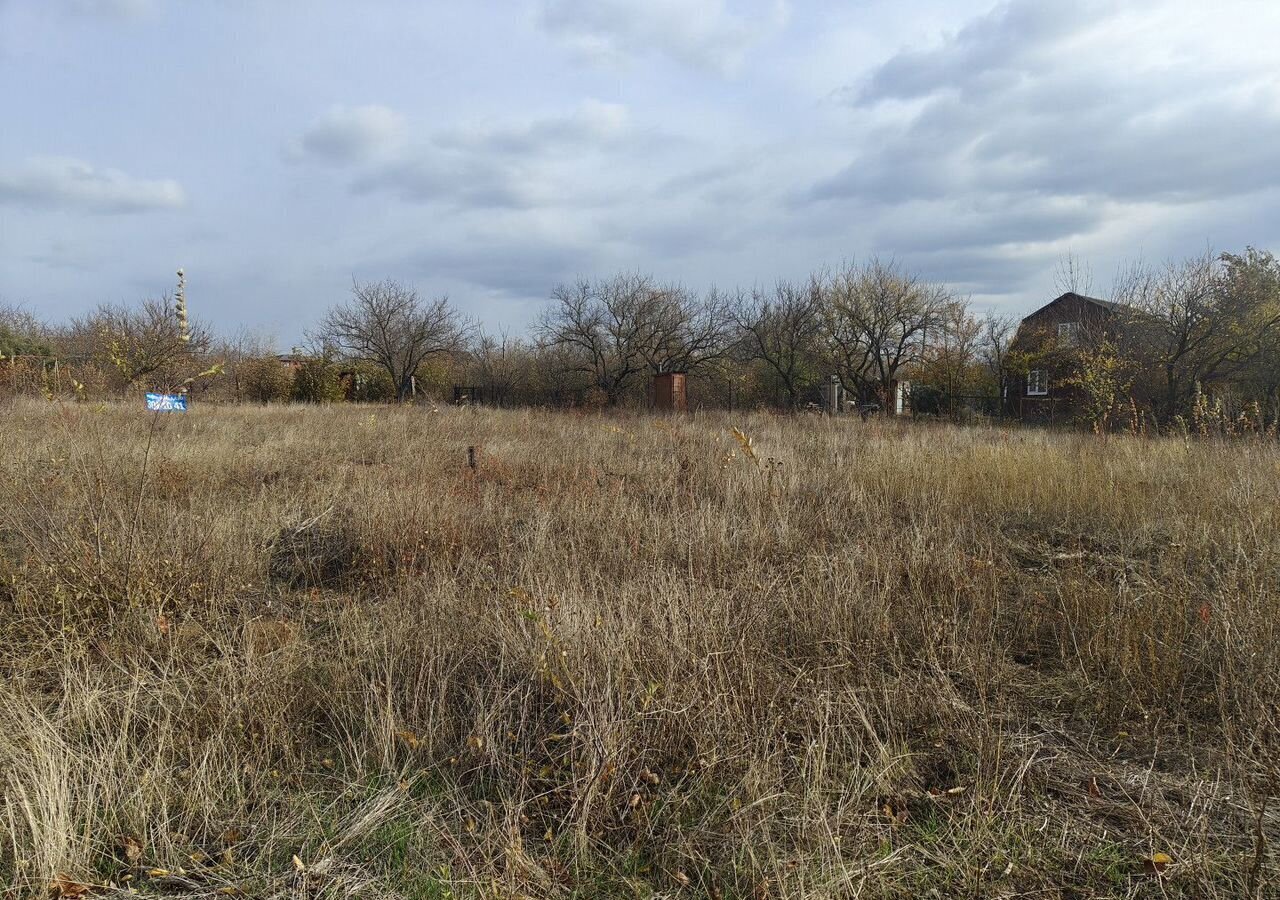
(277, 148)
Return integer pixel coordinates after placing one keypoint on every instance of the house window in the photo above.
(1037, 383)
(1068, 333)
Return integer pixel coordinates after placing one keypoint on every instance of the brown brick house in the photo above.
(1046, 348)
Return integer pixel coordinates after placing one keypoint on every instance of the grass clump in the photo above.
(317, 552)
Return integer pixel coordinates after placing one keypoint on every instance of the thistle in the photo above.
(180, 309)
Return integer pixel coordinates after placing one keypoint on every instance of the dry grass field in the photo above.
(311, 652)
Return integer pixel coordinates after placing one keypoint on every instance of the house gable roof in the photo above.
(1106, 305)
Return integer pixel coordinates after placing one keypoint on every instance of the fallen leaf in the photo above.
(896, 811)
(131, 847)
(66, 886)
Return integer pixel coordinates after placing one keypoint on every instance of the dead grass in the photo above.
(623, 657)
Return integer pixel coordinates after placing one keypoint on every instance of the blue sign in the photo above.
(167, 402)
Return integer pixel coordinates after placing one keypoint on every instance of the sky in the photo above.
(279, 149)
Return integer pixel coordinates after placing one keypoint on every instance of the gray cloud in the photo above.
(705, 34)
(514, 263)
(430, 175)
(1013, 39)
(348, 134)
(517, 165)
(64, 183)
(1027, 129)
(593, 123)
(990, 222)
(990, 272)
(996, 138)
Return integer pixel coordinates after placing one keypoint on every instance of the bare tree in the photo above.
(555, 372)
(1187, 324)
(144, 342)
(877, 321)
(387, 324)
(780, 329)
(1072, 274)
(602, 329)
(683, 332)
(616, 329)
(951, 356)
(497, 363)
(242, 348)
(994, 339)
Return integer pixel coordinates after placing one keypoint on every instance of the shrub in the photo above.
(315, 553)
(371, 384)
(316, 381)
(264, 380)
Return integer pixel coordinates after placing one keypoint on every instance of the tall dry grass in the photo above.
(311, 652)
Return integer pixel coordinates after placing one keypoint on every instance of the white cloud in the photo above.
(65, 183)
(347, 134)
(706, 34)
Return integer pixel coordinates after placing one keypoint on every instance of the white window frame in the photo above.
(1037, 383)
(1068, 333)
